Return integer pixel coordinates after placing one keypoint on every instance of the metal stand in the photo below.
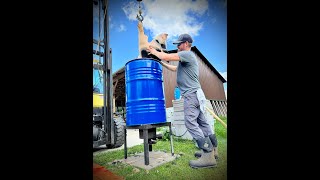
(145, 129)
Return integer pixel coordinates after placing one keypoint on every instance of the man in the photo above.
(194, 99)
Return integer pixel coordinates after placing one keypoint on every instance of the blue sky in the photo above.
(204, 20)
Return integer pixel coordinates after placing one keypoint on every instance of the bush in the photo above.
(165, 133)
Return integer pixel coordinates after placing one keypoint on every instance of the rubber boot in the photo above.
(199, 153)
(214, 142)
(207, 159)
(215, 152)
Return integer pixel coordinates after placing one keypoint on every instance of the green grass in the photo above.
(177, 169)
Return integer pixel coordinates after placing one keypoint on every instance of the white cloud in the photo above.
(118, 27)
(172, 17)
(213, 20)
(131, 10)
(111, 25)
(122, 28)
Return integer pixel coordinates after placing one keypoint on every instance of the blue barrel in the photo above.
(176, 93)
(145, 102)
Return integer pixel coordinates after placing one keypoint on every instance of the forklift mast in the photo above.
(106, 68)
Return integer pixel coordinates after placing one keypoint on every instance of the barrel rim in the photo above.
(142, 59)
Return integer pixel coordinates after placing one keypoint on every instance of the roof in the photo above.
(121, 70)
(194, 49)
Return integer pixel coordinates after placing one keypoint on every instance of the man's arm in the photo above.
(164, 56)
(169, 66)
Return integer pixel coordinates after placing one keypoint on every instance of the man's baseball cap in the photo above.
(183, 38)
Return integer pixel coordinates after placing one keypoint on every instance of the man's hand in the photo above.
(151, 50)
(151, 54)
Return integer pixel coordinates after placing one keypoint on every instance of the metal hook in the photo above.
(139, 16)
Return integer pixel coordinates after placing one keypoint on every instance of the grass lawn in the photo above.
(177, 169)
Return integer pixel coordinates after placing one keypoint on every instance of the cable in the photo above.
(180, 135)
(177, 135)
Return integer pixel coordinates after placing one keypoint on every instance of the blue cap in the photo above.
(183, 38)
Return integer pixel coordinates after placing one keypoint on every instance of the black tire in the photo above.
(118, 133)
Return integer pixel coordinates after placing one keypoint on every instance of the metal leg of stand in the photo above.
(146, 148)
(171, 141)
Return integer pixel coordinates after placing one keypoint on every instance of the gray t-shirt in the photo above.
(188, 72)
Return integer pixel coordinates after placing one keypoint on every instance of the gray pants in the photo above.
(195, 121)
